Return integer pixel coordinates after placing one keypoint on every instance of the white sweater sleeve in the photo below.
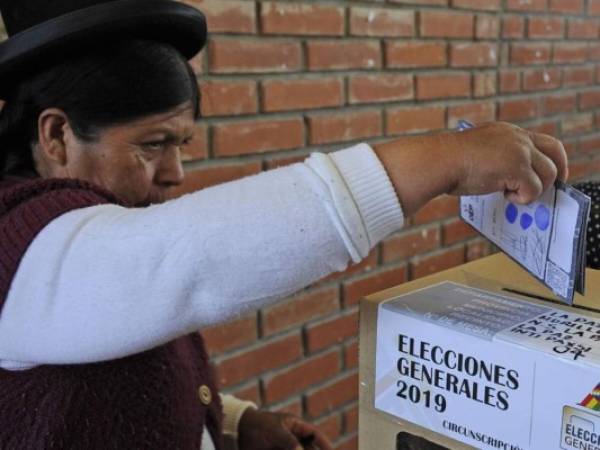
(104, 282)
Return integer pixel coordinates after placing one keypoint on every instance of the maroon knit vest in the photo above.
(146, 401)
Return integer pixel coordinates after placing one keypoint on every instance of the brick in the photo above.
(231, 335)
(477, 249)
(212, 175)
(489, 5)
(473, 54)
(545, 28)
(583, 29)
(197, 148)
(287, 95)
(594, 51)
(243, 55)
(403, 54)
(545, 128)
(351, 355)
(541, 79)
(510, 81)
(410, 243)
(302, 19)
(569, 53)
(590, 144)
(589, 99)
(570, 146)
(349, 443)
(446, 24)
(566, 6)
(253, 362)
(257, 136)
(330, 426)
(594, 7)
(232, 16)
(334, 55)
(484, 84)
(228, 98)
(560, 103)
(354, 290)
(274, 163)
(341, 127)
(457, 231)
(578, 76)
(487, 26)
(450, 85)
(332, 396)
(421, 2)
(527, 5)
(579, 170)
(384, 22)
(332, 331)
(479, 112)
(439, 208)
(513, 27)
(577, 123)
(293, 407)
(446, 259)
(299, 309)
(510, 110)
(301, 376)
(530, 53)
(415, 119)
(249, 392)
(351, 419)
(380, 88)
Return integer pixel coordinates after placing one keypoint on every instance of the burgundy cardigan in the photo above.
(158, 399)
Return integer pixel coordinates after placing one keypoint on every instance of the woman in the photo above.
(101, 285)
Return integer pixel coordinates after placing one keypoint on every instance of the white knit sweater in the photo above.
(167, 270)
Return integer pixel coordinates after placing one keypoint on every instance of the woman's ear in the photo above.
(53, 131)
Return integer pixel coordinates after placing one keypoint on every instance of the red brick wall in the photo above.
(283, 78)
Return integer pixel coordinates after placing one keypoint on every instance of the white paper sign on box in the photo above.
(488, 370)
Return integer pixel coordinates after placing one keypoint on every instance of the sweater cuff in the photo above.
(233, 409)
(372, 191)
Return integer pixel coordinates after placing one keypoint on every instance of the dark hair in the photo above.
(100, 88)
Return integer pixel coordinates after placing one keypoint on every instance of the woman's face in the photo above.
(138, 161)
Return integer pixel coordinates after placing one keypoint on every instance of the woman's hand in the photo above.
(503, 157)
(489, 158)
(263, 430)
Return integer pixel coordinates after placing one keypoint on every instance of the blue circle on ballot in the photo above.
(542, 217)
(511, 212)
(526, 221)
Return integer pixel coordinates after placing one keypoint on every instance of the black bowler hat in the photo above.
(40, 30)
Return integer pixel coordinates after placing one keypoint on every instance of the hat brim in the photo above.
(171, 22)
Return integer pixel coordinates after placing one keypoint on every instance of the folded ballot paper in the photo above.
(546, 237)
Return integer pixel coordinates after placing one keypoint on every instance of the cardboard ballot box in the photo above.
(479, 357)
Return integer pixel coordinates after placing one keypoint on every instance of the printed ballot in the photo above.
(546, 237)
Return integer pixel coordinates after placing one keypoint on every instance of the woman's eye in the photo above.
(153, 146)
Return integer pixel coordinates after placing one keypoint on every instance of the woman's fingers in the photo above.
(548, 162)
(555, 151)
